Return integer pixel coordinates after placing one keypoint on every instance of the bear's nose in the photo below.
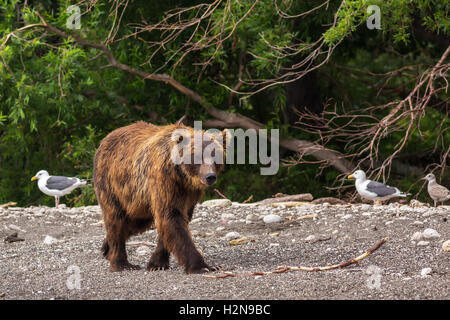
(210, 178)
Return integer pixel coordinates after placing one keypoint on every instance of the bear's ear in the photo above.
(227, 136)
(181, 120)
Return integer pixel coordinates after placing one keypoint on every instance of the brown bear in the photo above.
(139, 186)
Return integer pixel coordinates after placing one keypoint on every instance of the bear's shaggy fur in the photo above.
(138, 187)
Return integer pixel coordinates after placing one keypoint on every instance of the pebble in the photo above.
(251, 218)
(430, 234)
(232, 235)
(143, 251)
(274, 234)
(347, 216)
(417, 236)
(274, 244)
(272, 218)
(310, 238)
(50, 240)
(16, 228)
(222, 203)
(220, 228)
(416, 204)
(227, 216)
(196, 220)
(422, 243)
(425, 272)
(446, 246)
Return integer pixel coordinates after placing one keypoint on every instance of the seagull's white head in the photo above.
(430, 177)
(358, 175)
(40, 174)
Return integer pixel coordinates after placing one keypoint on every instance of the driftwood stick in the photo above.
(295, 197)
(282, 269)
(330, 200)
(220, 194)
(9, 204)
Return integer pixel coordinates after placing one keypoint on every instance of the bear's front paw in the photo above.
(152, 266)
(202, 269)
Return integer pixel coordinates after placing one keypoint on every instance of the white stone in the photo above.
(50, 240)
(16, 228)
(310, 238)
(220, 228)
(416, 204)
(143, 251)
(274, 244)
(232, 235)
(446, 246)
(196, 220)
(425, 272)
(430, 234)
(417, 236)
(272, 218)
(227, 216)
(422, 243)
(222, 203)
(347, 216)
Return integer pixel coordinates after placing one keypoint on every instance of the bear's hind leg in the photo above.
(160, 258)
(116, 236)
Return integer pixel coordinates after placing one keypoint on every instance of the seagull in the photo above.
(372, 190)
(437, 192)
(56, 186)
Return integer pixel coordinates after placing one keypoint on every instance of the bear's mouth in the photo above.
(206, 183)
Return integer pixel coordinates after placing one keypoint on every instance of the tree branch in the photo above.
(330, 157)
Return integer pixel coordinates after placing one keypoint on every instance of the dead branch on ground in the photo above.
(282, 269)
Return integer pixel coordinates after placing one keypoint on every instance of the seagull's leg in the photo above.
(56, 202)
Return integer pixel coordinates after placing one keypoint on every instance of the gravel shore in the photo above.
(56, 253)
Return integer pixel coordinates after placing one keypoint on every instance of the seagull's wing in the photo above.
(439, 191)
(60, 183)
(380, 189)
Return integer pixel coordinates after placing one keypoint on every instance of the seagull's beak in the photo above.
(34, 178)
(350, 176)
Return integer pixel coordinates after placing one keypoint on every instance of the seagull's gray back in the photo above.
(60, 183)
(380, 189)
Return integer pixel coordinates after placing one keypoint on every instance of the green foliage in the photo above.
(58, 100)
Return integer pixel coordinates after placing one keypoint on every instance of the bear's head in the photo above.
(199, 155)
